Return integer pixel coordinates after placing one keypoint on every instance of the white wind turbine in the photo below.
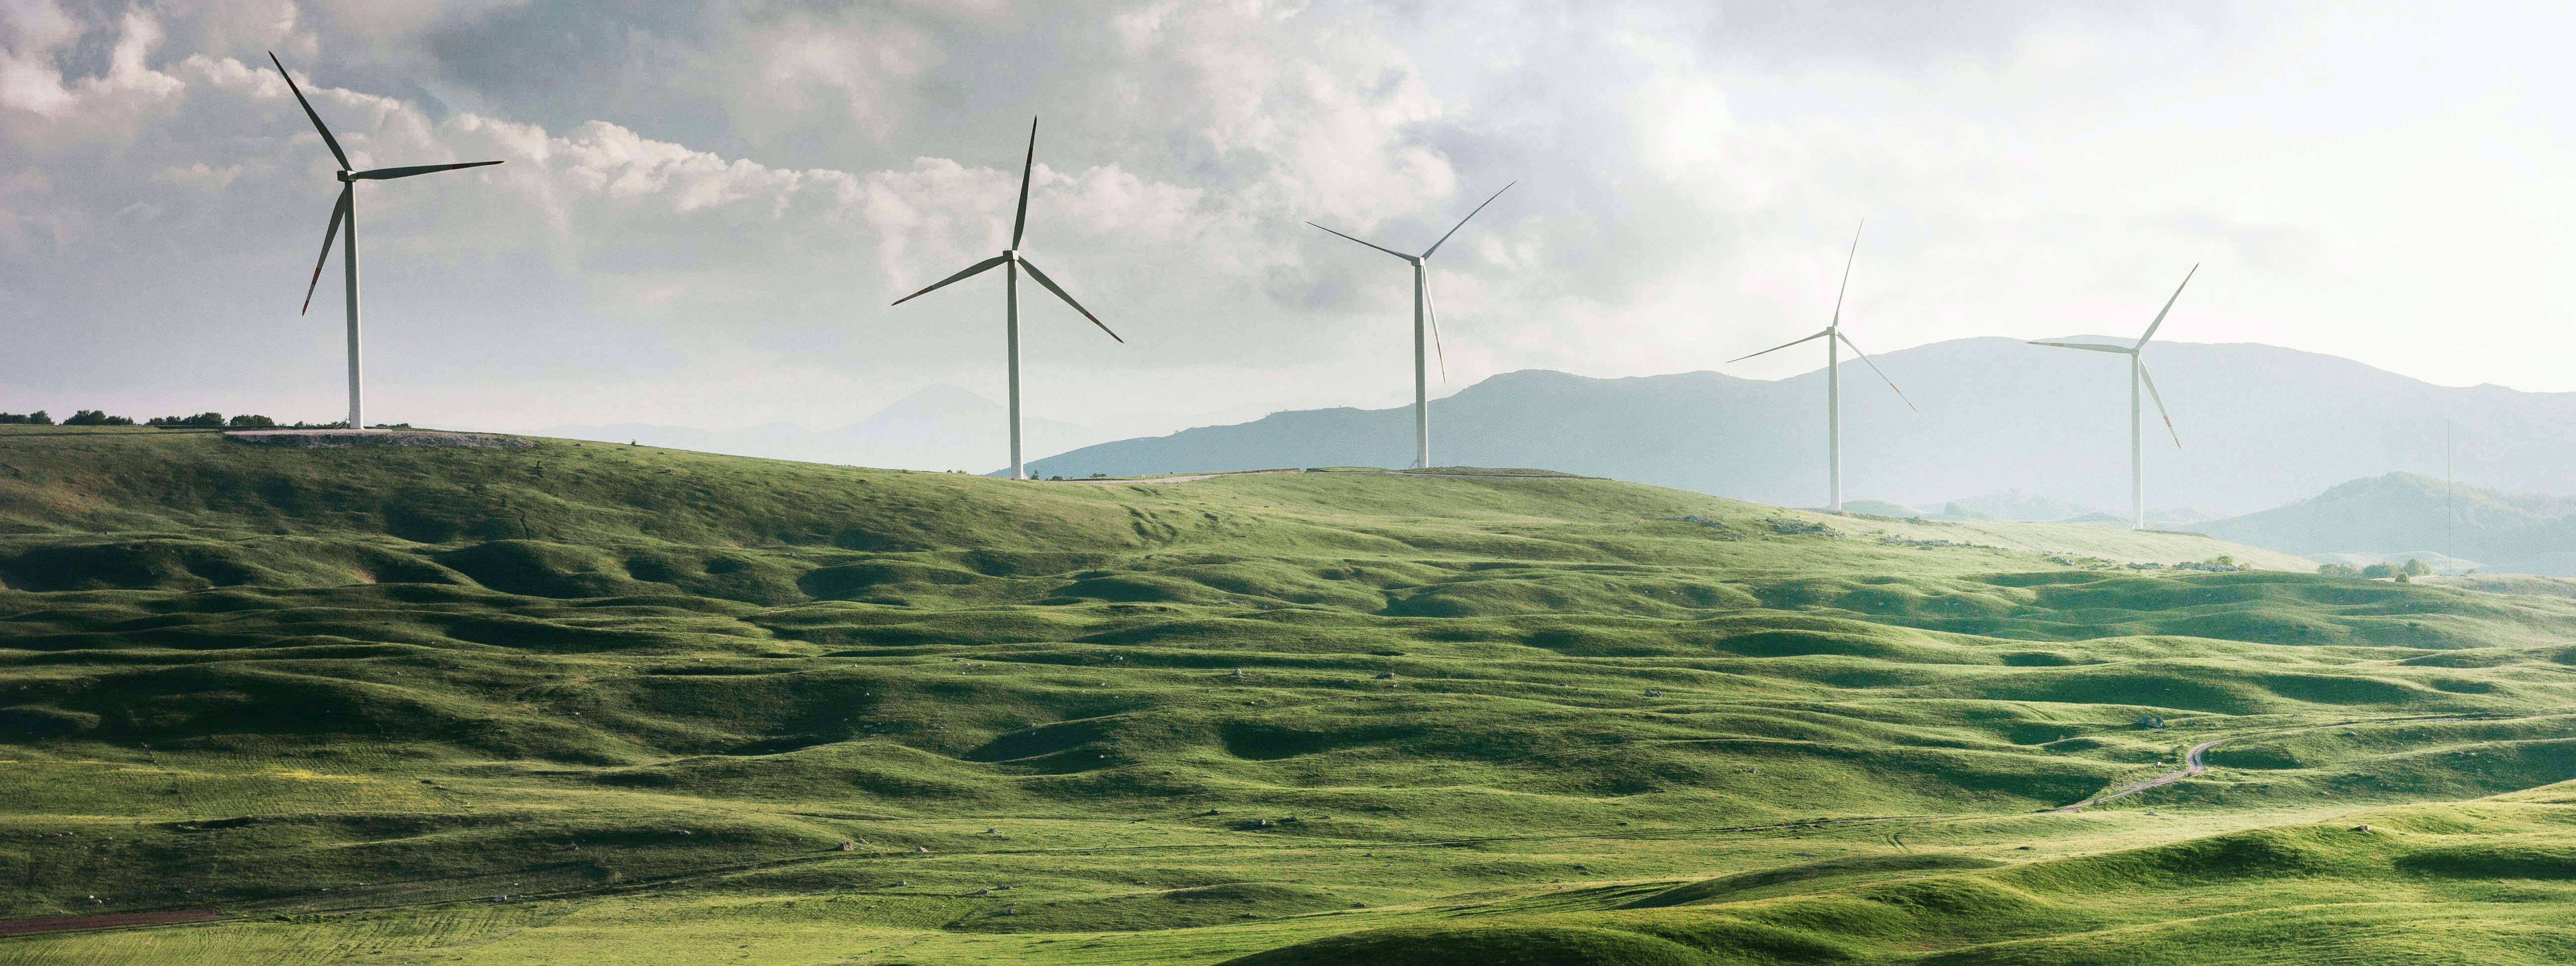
(1010, 258)
(1422, 312)
(344, 226)
(1832, 334)
(2138, 377)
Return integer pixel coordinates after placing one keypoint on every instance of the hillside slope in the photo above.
(2260, 426)
(2508, 532)
(680, 705)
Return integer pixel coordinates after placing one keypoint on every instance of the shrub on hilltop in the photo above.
(198, 420)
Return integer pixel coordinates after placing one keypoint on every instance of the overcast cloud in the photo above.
(706, 209)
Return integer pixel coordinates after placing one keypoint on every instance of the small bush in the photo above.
(2416, 568)
(248, 420)
(2337, 570)
(200, 419)
(93, 417)
(37, 418)
(2379, 570)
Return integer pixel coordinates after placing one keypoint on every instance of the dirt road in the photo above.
(2191, 765)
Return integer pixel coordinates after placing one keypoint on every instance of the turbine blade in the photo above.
(970, 272)
(388, 174)
(1462, 222)
(1431, 308)
(1068, 300)
(1846, 285)
(2160, 315)
(1781, 346)
(2088, 346)
(327, 140)
(339, 210)
(2160, 402)
(1382, 248)
(1028, 166)
(1873, 367)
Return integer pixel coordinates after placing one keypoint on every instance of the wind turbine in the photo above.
(344, 224)
(1423, 311)
(1013, 263)
(2138, 377)
(1832, 334)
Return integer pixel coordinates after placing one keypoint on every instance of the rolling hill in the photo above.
(2261, 426)
(2401, 512)
(569, 702)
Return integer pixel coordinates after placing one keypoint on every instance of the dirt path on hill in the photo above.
(2191, 765)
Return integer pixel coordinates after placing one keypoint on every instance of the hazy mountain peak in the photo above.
(2260, 426)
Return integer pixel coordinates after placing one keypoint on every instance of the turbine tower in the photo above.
(1834, 377)
(344, 226)
(1422, 312)
(2138, 377)
(1013, 263)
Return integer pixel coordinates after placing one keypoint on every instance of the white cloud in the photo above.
(706, 209)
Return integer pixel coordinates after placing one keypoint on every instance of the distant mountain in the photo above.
(2012, 505)
(2016, 505)
(2383, 516)
(1880, 508)
(939, 428)
(2260, 425)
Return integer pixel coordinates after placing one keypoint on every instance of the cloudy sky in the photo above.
(706, 208)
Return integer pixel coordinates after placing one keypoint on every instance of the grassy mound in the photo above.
(2413, 884)
(656, 697)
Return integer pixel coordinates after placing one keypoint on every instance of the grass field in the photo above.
(349, 699)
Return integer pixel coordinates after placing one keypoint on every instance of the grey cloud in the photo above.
(708, 206)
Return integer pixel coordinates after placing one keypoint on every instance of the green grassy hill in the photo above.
(345, 698)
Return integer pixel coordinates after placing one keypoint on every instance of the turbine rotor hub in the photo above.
(344, 177)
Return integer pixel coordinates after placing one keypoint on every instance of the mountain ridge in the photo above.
(2261, 426)
(2392, 512)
